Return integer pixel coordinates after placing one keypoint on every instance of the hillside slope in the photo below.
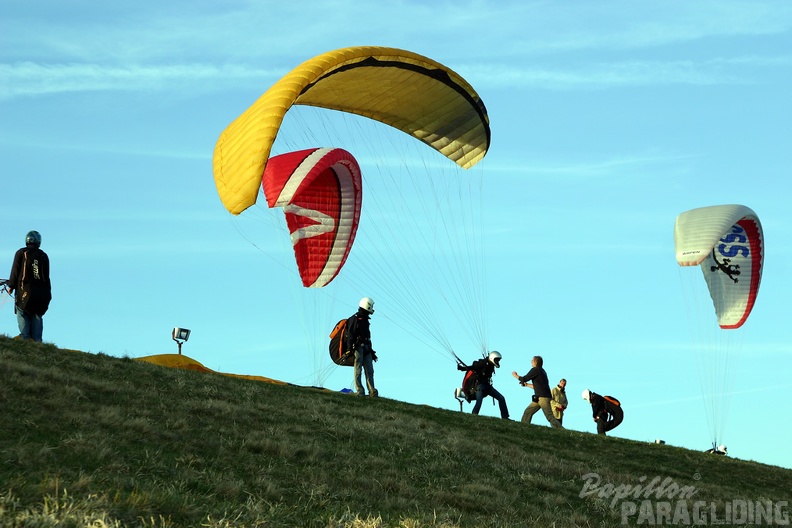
(89, 436)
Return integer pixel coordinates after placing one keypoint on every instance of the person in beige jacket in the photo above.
(558, 400)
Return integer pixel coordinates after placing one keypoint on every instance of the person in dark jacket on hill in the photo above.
(542, 395)
(606, 410)
(359, 340)
(30, 281)
(483, 369)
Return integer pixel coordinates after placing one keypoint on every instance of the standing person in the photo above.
(359, 340)
(30, 279)
(541, 397)
(607, 411)
(558, 400)
(483, 369)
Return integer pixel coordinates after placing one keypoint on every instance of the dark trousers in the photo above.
(484, 390)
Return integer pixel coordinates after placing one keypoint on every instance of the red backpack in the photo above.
(470, 385)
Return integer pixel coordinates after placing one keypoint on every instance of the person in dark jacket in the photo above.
(30, 281)
(359, 340)
(483, 369)
(606, 410)
(542, 395)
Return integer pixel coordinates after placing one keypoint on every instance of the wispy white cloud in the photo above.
(66, 145)
(28, 78)
(212, 47)
(122, 32)
(627, 73)
(539, 28)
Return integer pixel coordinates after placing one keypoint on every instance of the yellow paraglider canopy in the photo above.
(405, 90)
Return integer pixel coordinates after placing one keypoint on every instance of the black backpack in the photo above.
(338, 339)
(34, 293)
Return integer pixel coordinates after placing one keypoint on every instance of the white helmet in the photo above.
(586, 395)
(367, 303)
(494, 358)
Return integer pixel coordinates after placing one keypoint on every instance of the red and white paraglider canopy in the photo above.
(320, 191)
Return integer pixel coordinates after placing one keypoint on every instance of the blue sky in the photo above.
(608, 120)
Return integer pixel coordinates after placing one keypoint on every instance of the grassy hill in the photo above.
(93, 440)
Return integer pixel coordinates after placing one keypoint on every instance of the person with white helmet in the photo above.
(30, 279)
(542, 394)
(607, 411)
(482, 370)
(359, 340)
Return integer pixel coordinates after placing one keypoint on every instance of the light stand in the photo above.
(180, 335)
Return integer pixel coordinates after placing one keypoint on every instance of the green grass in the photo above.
(94, 440)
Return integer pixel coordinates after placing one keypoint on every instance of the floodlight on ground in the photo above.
(180, 335)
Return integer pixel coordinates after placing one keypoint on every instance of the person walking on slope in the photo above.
(30, 279)
(607, 411)
(483, 369)
(542, 395)
(558, 400)
(359, 340)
